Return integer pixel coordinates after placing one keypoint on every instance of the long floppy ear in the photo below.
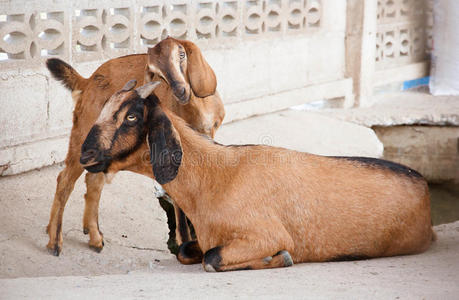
(164, 142)
(202, 78)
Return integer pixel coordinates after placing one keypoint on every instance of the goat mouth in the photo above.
(90, 164)
(182, 100)
(96, 167)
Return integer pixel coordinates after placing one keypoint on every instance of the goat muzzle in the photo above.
(181, 92)
(88, 158)
(94, 161)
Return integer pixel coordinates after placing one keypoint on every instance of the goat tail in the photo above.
(64, 72)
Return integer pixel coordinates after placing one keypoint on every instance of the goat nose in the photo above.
(182, 95)
(87, 155)
(182, 92)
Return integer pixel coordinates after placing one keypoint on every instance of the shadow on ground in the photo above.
(140, 265)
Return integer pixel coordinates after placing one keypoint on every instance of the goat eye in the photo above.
(131, 118)
(182, 55)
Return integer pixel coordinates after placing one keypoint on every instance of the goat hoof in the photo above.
(56, 250)
(212, 259)
(85, 230)
(288, 261)
(97, 249)
(97, 246)
(209, 268)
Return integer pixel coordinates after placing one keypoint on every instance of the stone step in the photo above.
(303, 131)
(403, 108)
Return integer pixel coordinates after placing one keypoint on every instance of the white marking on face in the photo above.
(105, 120)
(176, 62)
(175, 56)
(112, 105)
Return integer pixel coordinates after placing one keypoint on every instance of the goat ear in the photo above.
(165, 146)
(145, 90)
(202, 78)
(129, 85)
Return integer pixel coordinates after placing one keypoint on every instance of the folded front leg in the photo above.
(189, 253)
(213, 262)
(251, 253)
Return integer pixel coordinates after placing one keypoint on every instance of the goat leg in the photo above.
(65, 184)
(180, 228)
(254, 251)
(94, 185)
(279, 260)
(189, 253)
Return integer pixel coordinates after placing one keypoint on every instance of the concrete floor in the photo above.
(138, 265)
(135, 262)
(431, 275)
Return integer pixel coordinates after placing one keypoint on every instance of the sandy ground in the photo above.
(139, 265)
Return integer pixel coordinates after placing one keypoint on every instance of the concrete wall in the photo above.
(431, 150)
(292, 51)
(268, 55)
(387, 42)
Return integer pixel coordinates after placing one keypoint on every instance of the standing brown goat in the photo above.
(185, 77)
(256, 207)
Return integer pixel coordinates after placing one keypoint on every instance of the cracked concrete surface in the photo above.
(131, 219)
(135, 262)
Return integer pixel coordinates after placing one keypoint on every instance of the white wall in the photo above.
(281, 49)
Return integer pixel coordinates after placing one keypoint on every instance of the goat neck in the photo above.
(203, 161)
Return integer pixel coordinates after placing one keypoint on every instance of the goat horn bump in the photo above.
(129, 85)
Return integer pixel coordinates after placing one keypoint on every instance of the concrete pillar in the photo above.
(361, 48)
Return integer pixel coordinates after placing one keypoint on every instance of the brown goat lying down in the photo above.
(256, 207)
(188, 89)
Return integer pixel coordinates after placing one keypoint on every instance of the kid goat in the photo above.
(255, 206)
(186, 79)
